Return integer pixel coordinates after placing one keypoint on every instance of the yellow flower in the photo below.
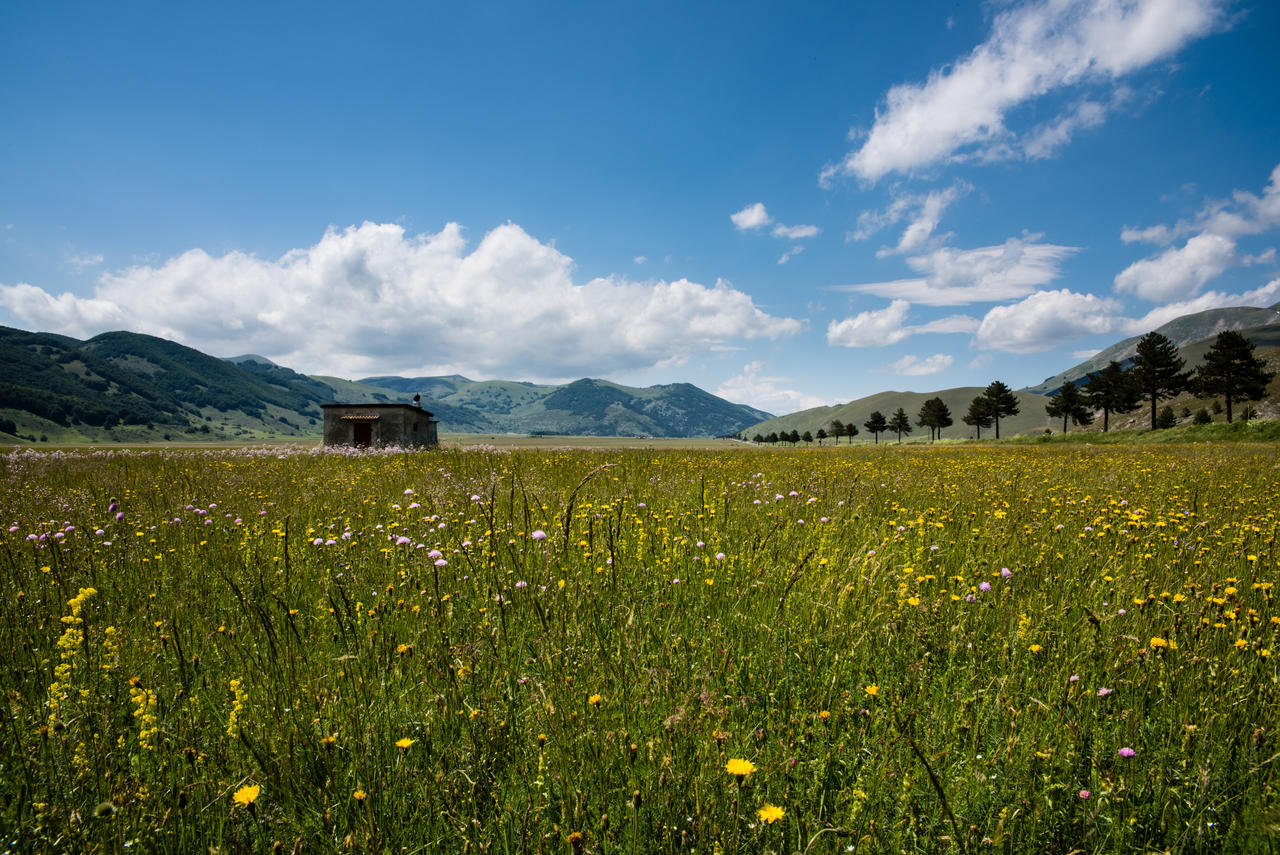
(739, 768)
(359, 795)
(770, 813)
(1035, 648)
(595, 700)
(1157, 642)
(247, 795)
(872, 690)
(405, 743)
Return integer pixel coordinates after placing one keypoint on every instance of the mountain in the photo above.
(130, 387)
(585, 407)
(126, 385)
(1183, 331)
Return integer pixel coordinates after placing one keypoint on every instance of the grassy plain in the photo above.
(966, 648)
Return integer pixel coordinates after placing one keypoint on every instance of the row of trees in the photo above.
(1230, 370)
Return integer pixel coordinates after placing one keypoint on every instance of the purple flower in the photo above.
(719, 556)
(402, 540)
(112, 508)
(1127, 752)
(522, 584)
(1074, 678)
(1005, 572)
(1104, 691)
(440, 562)
(539, 535)
(984, 586)
(120, 516)
(1084, 794)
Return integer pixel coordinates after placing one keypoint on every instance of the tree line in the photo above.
(1230, 370)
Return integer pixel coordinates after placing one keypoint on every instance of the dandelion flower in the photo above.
(405, 743)
(872, 690)
(247, 795)
(359, 795)
(595, 700)
(739, 768)
(770, 813)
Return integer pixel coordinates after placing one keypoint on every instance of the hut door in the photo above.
(363, 434)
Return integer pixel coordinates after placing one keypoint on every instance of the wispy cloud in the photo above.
(880, 327)
(989, 274)
(754, 216)
(1034, 48)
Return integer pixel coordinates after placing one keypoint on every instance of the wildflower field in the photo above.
(963, 649)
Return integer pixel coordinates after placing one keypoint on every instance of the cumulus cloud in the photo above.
(370, 299)
(957, 277)
(874, 328)
(750, 387)
(756, 216)
(914, 366)
(885, 326)
(751, 217)
(1034, 49)
(1179, 272)
(1044, 320)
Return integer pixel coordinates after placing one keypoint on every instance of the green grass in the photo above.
(918, 649)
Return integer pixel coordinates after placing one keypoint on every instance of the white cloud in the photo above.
(1045, 140)
(1159, 235)
(956, 277)
(795, 232)
(764, 393)
(1045, 320)
(924, 211)
(640, 259)
(751, 217)
(1034, 48)
(888, 326)
(370, 299)
(1264, 296)
(1179, 273)
(914, 366)
(871, 329)
(790, 254)
(80, 262)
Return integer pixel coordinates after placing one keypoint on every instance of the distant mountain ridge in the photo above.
(133, 387)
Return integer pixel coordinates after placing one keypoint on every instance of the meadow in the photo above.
(1004, 648)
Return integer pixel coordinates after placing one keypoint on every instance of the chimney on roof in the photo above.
(417, 401)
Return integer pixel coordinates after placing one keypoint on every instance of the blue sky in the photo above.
(786, 204)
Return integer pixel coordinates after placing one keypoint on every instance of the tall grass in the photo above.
(1036, 648)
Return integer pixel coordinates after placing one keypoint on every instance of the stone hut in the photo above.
(368, 425)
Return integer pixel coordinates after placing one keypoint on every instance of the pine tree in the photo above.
(1070, 403)
(900, 424)
(979, 415)
(1003, 402)
(1112, 390)
(876, 424)
(935, 415)
(1231, 370)
(1157, 370)
(837, 429)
